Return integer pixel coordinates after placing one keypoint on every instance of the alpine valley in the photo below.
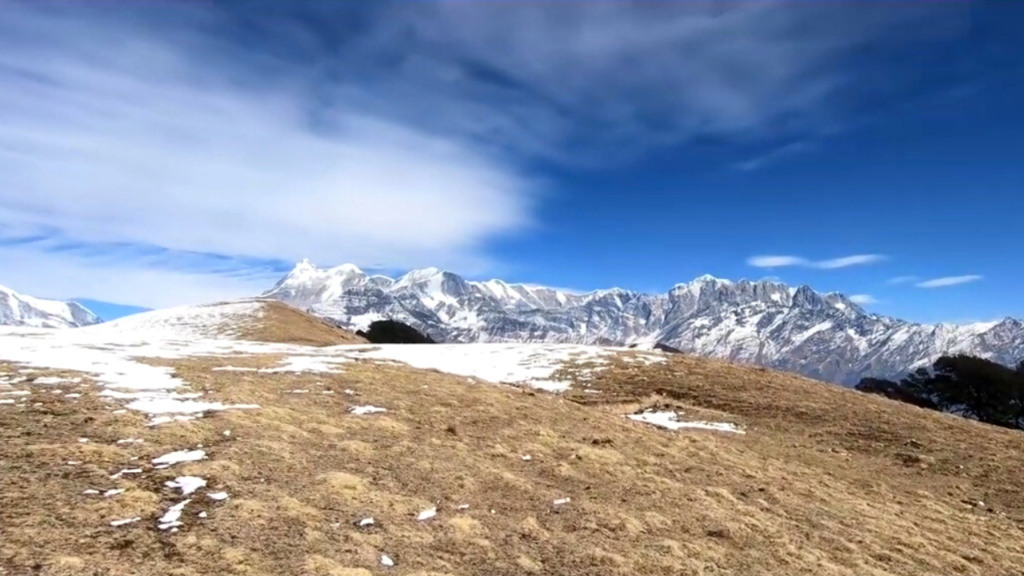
(823, 336)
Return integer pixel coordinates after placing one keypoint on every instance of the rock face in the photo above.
(823, 336)
(20, 310)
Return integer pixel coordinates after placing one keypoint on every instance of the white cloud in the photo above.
(112, 133)
(844, 262)
(155, 126)
(65, 276)
(776, 261)
(948, 281)
(863, 299)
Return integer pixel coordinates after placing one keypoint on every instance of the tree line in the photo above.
(964, 385)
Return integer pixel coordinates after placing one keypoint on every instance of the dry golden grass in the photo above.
(284, 324)
(825, 482)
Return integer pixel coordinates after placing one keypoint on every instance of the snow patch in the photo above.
(187, 484)
(180, 456)
(170, 519)
(670, 420)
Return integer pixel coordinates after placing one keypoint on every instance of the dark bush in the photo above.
(394, 332)
(965, 385)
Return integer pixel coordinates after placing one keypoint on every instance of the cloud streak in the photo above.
(946, 281)
(863, 299)
(799, 261)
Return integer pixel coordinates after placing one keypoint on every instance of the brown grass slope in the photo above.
(825, 482)
(284, 324)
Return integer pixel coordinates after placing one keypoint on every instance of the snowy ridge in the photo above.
(21, 310)
(824, 336)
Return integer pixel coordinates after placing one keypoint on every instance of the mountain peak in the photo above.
(708, 278)
(22, 310)
(346, 269)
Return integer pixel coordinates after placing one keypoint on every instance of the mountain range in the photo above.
(823, 336)
(20, 310)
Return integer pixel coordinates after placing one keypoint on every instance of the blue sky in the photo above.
(156, 154)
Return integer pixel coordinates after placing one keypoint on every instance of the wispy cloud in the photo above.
(399, 141)
(772, 156)
(105, 148)
(949, 281)
(847, 261)
(863, 299)
(902, 280)
(831, 264)
(776, 261)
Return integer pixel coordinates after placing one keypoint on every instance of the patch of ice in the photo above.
(427, 514)
(187, 484)
(73, 395)
(131, 441)
(116, 523)
(233, 369)
(180, 456)
(170, 518)
(202, 514)
(7, 401)
(463, 507)
(113, 492)
(74, 462)
(363, 410)
(118, 411)
(218, 496)
(562, 501)
(91, 492)
(365, 522)
(527, 457)
(670, 420)
(296, 391)
(83, 440)
(16, 393)
(386, 560)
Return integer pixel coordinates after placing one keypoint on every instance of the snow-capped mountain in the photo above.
(20, 310)
(824, 336)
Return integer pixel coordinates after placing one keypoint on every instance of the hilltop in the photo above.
(290, 435)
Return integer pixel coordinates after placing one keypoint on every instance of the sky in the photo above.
(166, 153)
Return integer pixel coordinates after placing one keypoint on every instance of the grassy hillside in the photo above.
(825, 481)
